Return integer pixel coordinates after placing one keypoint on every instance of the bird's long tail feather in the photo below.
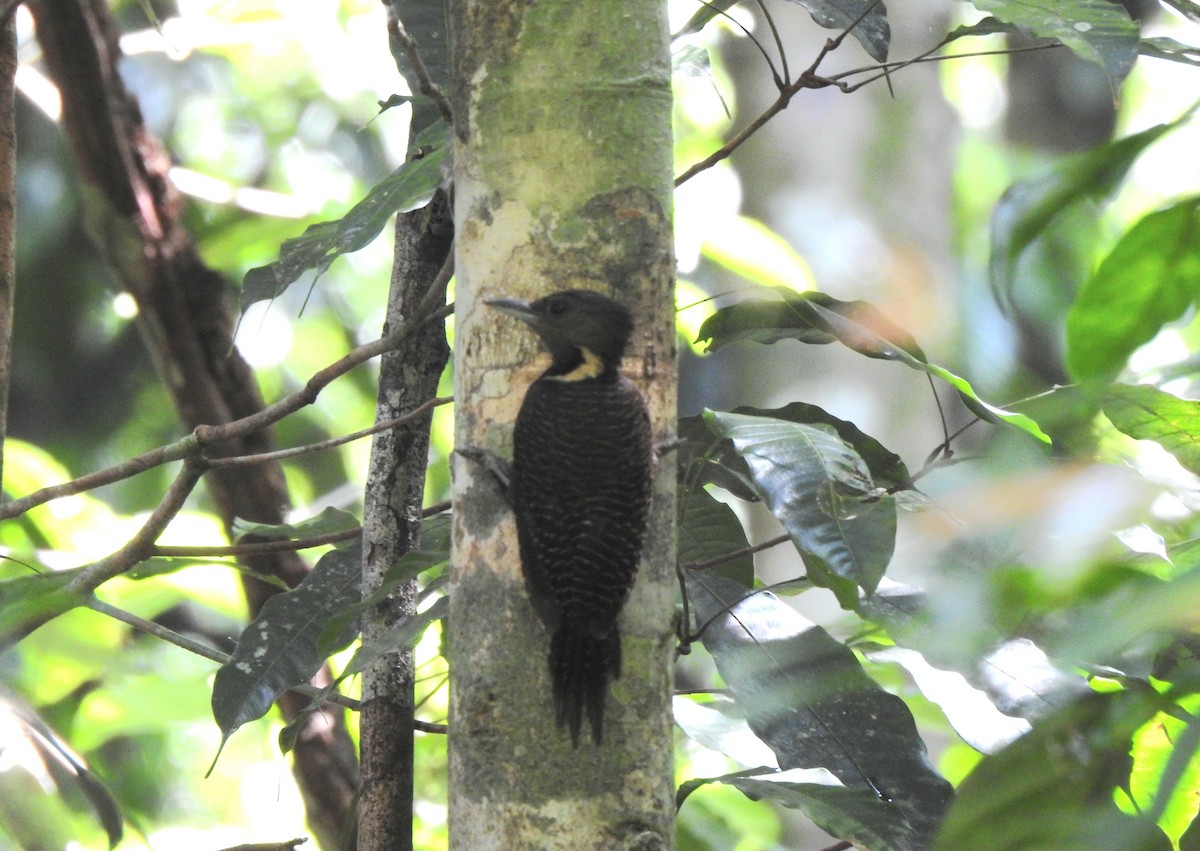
(582, 664)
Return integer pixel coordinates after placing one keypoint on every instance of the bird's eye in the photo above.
(558, 308)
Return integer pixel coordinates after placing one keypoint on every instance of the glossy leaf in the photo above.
(709, 529)
(1149, 279)
(1095, 30)
(805, 694)
(822, 492)
(1147, 413)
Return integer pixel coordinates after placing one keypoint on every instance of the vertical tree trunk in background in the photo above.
(8, 216)
(391, 527)
(562, 180)
(186, 319)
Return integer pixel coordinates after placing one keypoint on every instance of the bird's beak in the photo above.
(513, 307)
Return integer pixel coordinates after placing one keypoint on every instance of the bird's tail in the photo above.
(582, 664)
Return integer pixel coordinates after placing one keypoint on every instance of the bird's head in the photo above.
(577, 326)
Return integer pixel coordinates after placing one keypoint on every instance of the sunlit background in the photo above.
(270, 111)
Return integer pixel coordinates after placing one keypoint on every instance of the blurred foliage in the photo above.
(1048, 611)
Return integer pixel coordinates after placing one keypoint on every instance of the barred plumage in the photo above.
(581, 493)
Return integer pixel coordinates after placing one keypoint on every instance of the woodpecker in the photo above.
(582, 462)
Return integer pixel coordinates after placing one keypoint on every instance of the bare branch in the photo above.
(203, 436)
(295, 451)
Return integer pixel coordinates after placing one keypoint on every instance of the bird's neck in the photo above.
(579, 364)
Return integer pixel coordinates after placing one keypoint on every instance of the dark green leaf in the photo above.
(823, 494)
(279, 649)
(1052, 790)
(822, 320)
(797, 318)
(1096, 30)
(709, 529)
(873, 32)
(1029, 207)
(409, 186)
(426, 22)
(1147, 413)
(806, 695)
(1149, 279)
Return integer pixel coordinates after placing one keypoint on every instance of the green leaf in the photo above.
(1096, 30)
(1052, 790)
(1027, 208)
(1147, 413)
(709, 529)
(823, 494)
(805, 317)
(1161, 47)
(988, 26)
(405, 633)
(1188, 8)
(1149, 279)
(408, 187)
(805, 694)
(817, 318)
(329, 521)
(873, 32)
(280, 648)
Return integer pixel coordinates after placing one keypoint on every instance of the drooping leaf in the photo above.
(805, 694)
(794, 318)
(1188, 8)
(709, 529)
(406, 633)
(1147, 413)
(1147, 280)
(864, 329)
(1161, 47)
(822, 492)
(1052, 790)
(279, 649)
(1027, 208)
(872, 32)
(408, 187)
(1096, 30)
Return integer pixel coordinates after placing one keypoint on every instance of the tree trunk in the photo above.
(8, 215)
(408, 377)
(562, 180)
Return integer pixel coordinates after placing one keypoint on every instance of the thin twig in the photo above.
(280, 454)
(257, 548)
(811, 80)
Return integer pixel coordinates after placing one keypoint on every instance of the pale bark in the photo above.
(562, 180)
